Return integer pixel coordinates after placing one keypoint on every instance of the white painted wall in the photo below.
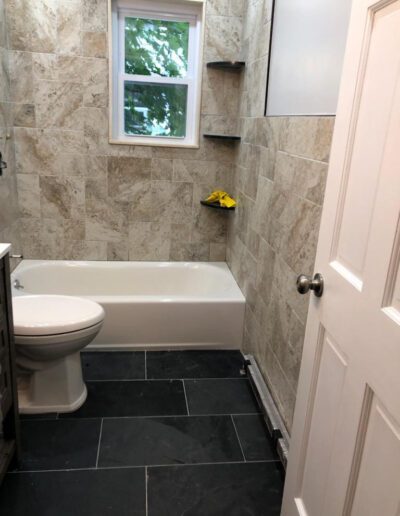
(308, 43)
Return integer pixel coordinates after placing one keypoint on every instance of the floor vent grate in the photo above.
(273, 420)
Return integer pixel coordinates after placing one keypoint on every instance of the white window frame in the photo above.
(190, 11)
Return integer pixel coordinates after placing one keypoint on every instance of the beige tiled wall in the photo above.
(281, 168)
(79, 196)
(8, 185)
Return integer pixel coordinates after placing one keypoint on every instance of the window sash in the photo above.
(188, 80)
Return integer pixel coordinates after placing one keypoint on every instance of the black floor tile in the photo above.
(251, 489)
(59, 444)
(194, 364)
(220, 397)
(136, 398)
(113, 365)
(169, 440)
(78, 493)
(254, 438)
(24, 417)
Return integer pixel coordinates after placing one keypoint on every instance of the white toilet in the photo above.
(49, 333)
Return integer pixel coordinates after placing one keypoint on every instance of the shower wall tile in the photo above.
(69, 26)
(9, 212)
(84, 198)
(94, 44)
(279, 183)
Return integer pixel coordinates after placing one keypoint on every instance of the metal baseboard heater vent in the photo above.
(273, 420)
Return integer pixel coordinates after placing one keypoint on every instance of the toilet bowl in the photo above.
(50, 332)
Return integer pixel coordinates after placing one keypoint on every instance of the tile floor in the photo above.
(161, 434)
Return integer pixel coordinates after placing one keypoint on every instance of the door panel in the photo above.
(378, 484)
(345, 449)
(373, 105)
(328, 393)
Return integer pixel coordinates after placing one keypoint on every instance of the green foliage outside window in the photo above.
(156, 48)
(155, 109)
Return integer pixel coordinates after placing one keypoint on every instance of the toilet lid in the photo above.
(52, 315)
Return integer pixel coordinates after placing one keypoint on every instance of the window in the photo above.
(156, 60)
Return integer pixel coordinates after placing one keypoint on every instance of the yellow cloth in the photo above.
(223, 198)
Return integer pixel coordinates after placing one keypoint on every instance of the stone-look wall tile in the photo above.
(106, 220)
(127, 177)
(279, 182)
(21, 77)
(28, 195)
(218, 7)
(95, 15)
(217, 252)
(58, 104)
(98, 196)
(195, 171)
(149, 241)
(74, 229)
(94, 44)
(35, 153)
(172, 202)
(118, 251)
(190, 251)
(17, 16)
(223, 38)
(84, 250)
(45, 67)
(161, 169)
(62, 197)
(96, 84)
(42, 20)
(24, 115)
(69, 23)
(309, 137)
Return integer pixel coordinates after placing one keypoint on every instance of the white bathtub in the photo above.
(148, 305)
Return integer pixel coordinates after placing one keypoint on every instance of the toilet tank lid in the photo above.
(51, 315)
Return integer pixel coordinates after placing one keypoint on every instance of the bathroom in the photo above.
(166, 354)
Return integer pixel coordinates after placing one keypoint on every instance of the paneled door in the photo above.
(345, 448)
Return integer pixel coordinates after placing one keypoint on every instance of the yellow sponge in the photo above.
(223, 198)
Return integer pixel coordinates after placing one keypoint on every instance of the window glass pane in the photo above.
(156, 47)
(155, 109)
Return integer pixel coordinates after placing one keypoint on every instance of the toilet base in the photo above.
(57, 388)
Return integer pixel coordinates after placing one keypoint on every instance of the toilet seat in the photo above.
(48, 315)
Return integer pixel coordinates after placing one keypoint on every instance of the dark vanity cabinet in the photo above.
(9, 419)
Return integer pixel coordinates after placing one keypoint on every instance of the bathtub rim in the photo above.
(233, 296)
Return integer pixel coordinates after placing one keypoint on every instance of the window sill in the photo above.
(138, 142)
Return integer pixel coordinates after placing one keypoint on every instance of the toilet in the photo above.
(50, 331)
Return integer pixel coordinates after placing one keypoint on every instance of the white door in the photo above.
(345, 448)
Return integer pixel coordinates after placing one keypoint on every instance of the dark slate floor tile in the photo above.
(136, 398)
(194, 364)
(251, 489)
(113, 365)
(220, 397)
(23, 417)
(168, 440)
(79, 493)
(59, 444)
(254, 438)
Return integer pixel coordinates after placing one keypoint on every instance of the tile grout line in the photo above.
(146, 478)
(98, 448)
(196, 379)
(186, 400)
(155, 416)
(171, 465)
(238, 438)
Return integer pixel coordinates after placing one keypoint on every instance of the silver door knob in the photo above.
(306, 283)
